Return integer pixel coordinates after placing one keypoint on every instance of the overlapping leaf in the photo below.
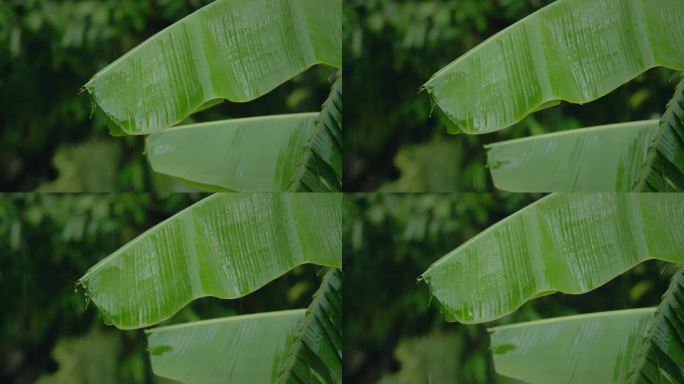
(598, 159)
(231, 49)
(320, 168)
(573, 50)
(664, 168)
(316, 354)
(661, 359)
(227, 246)
(596, 348)
(570, 243)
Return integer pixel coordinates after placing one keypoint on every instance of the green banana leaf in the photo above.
(664, 170)
(597, 159)
(316, 354)
(597, 348)
(273, 153)
(569, 243)
(321, 168)
(661, 360)
(252, 154)
(573, 50)
(226, 246)
(239, 349)
(230, 49)
(285, 347)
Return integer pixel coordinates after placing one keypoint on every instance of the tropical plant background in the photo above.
(48, 333)
(392, 143)
(49, 48)
(395, 334)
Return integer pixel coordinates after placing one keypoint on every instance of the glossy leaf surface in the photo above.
(239, 349)
(321, 167)
(569, 243)
(316, 354)
(664, 169)
(598, 159)
(661, 359)
(226, 246)
(231, 49)
(252, 154)
(585, 349)
(573, 50)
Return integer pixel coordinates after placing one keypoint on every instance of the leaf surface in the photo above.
(569, 243)
(227, 246)
(238, 349)
(230, 49)
(584, 349)
(572, 50)
(598, 159)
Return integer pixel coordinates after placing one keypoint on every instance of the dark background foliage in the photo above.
(48, 51)
(394, 334)
(48, 332)
(392, 47)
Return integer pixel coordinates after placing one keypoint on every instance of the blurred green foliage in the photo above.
(48, 51)
(392, 47)
(48, 241)
(394, 334)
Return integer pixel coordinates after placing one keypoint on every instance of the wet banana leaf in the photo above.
(321, 167)
(597, 159)
(664, 169)
(231, 49)
(596, 348)
(573, 50)
(316, 354)
(252, 154)
(226, 246)
(239, 349)
(569, 243)
(273, 153)
(661, 359)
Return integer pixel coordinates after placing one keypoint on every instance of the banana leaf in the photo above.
(226, 246)
(595, 348)
(573, 50)
(274, 153)
(597, 159)
(569, 243)
(316, 354)
(238, 349)
(661, 359)
(230, 49)
(285, 347)
(252, 154)
(664, 169)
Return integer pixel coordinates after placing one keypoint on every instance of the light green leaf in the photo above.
(320, 169)
(664, 169)
(231, 49)
(569, 243)
(226, 246)
(272, 153)
(573, 50)
(597, 159)
(239, 349)
(661, 359)
(597, 348)
(316, 353)
(252, 154)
